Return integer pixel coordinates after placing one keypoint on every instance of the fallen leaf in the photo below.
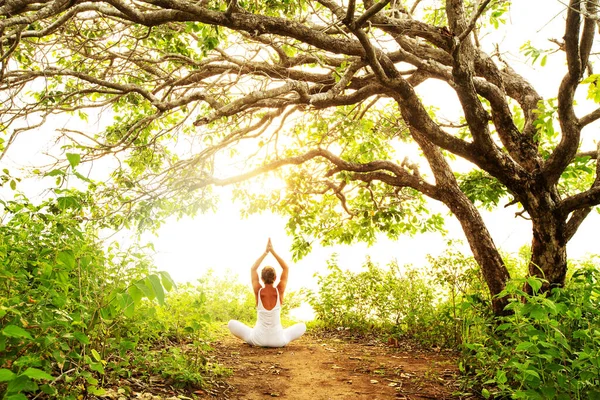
(373, 381)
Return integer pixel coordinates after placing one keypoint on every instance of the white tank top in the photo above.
(268, 331)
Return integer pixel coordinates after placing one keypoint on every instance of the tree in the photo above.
(324, 86)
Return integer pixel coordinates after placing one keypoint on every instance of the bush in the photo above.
(548, 348)
(63, 298)
(396, 301)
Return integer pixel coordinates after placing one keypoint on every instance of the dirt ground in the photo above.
(324, 368)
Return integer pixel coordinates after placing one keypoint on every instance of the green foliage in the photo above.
(548, 347)
(396, 301)
(533, 53)
(63, 297)
(481, 188)
(225, 298)
(335, 208)
(593, 82)
(546, 120)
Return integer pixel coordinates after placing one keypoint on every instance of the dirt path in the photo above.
(315, 368)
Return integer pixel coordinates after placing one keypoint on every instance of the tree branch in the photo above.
(571, 130)
(473, 21)
(589, 118)
(581, 201)
(576, 219)
(400, 176)
(369, 14)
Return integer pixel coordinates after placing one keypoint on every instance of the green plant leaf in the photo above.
(74, 159)
(18, 396)
(145, 287)
(16, 332)
(56, 172)
(98, 367)
(157, 287)
(66, 258)
(21, 383)
(96, 391)
(535, 283)
(524, 346)
(96, 355)
(6, 375)
(81, 337)
(135, 293)
(167, 281)
(67, 202)
(35, 373)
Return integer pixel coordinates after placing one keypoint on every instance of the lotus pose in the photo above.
(268, 331)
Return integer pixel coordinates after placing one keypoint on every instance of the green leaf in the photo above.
(35, 373)
(6, 375)
(158, 289)
(18, 396)
(98, 367)
(74, 159)
(82, 177)
(13, 185)
(485, 393)
(167, 281)
(16, 332)
(135, 293)
(524, 346)
(145, 289)
(81, 337)
(56, 172)
(535, 283)
(66, 258)
(21, 383)
(129, 309)
(501, 377)
(66, 202)
(96, 355)
(532, 373)
(93, 390)
(49, 390)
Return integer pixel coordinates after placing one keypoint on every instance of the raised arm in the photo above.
(254, 273)
(284, 274)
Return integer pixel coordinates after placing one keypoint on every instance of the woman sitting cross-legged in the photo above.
(268, 331)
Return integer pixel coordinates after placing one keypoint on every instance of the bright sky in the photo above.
(225, 242)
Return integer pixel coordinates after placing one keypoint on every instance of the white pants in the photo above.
(244, 332)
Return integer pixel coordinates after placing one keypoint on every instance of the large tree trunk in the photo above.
(483, 247)
(548, 251)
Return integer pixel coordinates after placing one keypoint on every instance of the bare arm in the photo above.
(284, 274)
(254, 274)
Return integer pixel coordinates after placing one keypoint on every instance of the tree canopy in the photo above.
(321, 92)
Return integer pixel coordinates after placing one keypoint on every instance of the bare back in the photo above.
(268, 297)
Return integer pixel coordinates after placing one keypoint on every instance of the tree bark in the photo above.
(482, 245)
(548, 251)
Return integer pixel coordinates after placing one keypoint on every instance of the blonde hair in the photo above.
(268, 275)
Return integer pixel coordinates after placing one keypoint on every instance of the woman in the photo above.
(268, 331)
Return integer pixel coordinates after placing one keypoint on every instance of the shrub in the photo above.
(547, 348)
